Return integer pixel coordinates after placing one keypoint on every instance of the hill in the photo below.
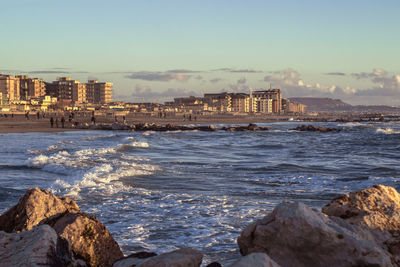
(322, 104)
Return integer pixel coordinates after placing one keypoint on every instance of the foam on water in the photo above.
(387, 131)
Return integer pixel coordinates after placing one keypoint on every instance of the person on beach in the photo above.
(56, 122)
(62, 121)
(51, 122)
(27, 115)
(93, 120)
(38, 115)
(124, 119)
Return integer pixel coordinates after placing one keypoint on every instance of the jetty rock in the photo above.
(88, 237)
(255, 260)
(33, 208)
(184, 257)
(312, 128)
(294, 234)
(377, 209)
(40, 246)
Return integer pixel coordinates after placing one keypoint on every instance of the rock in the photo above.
(134, 259)
(255, 260)
(377, 207)
(33, 208)
(214, 264)
(312, 128)
(296, 235)
(88, 237)
(184, 257)
(38, 247)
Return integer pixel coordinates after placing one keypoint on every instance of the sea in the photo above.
(159, 191)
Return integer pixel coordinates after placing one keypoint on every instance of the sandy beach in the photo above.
(19, 124)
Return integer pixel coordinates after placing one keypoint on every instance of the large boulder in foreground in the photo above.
(255, 260)
(184, 257)
(88, 237)
(33, 208)
(40, 246)
(296, 235)
(377, 207)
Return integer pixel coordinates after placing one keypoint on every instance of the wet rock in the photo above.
(134, 259)
(33, 208)
(312, 128)
(214, 264)
(377, 207)
(182, 257)
(255, 260)
(296, 235)
(38, 247)
(250, 127)
(88, 237)
(209, 128)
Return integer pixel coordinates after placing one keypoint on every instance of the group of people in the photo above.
(52, 121)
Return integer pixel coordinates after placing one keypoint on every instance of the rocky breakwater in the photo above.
(142, 127)
(47, 230)
(312, 128)
(356, 229)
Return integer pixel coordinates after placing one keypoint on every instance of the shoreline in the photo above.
(19, 124)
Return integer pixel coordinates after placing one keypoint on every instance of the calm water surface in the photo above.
(161, 191)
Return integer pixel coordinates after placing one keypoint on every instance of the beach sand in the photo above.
(19, 124)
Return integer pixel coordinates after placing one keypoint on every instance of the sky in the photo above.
(156, 50)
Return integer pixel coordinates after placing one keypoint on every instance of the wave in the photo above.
(104, 179)
(126, 147)
(387, 131)
(92, 138)
(49, 149)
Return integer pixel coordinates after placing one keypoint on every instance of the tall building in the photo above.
(240, 102)
(66, 89)
(36, 88)
(9, 87)
(274, 94)
(23, 86)
(98, 93)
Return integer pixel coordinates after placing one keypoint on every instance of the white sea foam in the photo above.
(351, 124)
(92, 138)
(387, 131)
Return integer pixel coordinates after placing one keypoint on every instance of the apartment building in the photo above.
(98, 93)
(240, 102)
(9, 87)
(274, 94)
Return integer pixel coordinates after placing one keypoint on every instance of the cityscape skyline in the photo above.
(155, 51)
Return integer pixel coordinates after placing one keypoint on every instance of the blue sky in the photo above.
(154, 50)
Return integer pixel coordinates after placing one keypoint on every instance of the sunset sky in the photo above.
(155, 50)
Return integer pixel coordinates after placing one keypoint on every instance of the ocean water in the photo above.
(158, 191)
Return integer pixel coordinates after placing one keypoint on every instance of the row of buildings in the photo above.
(15, 90)
(263, 102)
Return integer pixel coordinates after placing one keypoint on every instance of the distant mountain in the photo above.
(322, 104)
(337, 105)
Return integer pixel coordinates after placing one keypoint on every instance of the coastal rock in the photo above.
(377, 207)
(34, 207)
(88, 237)
(181, 257)
(255, 260)
(312, 128)
(296, 235)
(134, 259)
(250, 127)
(38, 247)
